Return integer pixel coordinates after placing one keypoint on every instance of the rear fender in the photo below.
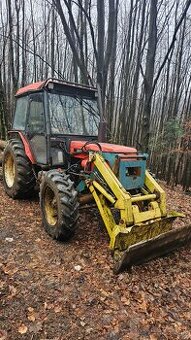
(26, 144)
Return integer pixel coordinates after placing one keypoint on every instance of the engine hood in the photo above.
(105, 147)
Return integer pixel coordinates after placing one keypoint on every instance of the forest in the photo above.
(92, 245)
(137, 52)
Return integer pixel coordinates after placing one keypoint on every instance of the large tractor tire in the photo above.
(59, 205)
(18, 176)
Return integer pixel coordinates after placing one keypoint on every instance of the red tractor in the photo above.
(54, 144)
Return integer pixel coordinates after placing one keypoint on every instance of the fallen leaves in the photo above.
(31, 317)
(77, 268)
(9, 268)
(57, 309)
(22, 329)
(13, 292)
(31, 314)
(125, 301)
(50, 289)
(35, 327)
(3, 335)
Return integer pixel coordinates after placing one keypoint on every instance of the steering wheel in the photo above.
(91, 142)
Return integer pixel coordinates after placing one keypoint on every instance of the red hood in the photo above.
(77, 145)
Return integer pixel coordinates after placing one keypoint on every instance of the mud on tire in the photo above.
(59, 205)
(18, 175)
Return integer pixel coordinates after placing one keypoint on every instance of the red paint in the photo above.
(84, 162)
(119, 149)
(31, 87)
(86, 165)
(27, 147)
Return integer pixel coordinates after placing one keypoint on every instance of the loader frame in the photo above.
(134, 226)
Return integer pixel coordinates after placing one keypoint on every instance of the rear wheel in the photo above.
(18, 176)
(59, 205)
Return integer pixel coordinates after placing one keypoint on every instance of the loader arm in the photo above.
(141, 217)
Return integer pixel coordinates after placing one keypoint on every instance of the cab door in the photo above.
(36, 127)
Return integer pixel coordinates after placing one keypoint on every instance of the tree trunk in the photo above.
(149, 74)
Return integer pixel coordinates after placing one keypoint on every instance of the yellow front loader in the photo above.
(137, 223)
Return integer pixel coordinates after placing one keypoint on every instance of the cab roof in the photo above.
(48, 84)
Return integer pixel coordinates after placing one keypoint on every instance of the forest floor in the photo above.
(51, 290)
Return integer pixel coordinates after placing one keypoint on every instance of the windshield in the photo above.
(73, 115)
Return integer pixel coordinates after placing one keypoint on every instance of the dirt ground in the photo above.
(51, 290)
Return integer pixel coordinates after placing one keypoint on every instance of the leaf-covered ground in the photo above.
(51, 290)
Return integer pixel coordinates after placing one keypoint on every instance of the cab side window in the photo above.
(36, 121)
(20, 113)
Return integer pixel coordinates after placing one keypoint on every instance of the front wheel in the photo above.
(59, 205)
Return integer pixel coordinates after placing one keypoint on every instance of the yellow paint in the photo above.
(103, 191)
(153, 186)
(143, 198)
(9, 170)
(50, 206)
(135, 223)
(103, 209)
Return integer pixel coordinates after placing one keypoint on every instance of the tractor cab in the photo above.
(51, 113)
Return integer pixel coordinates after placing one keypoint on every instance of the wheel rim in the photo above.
(50, 207)
(9, 170)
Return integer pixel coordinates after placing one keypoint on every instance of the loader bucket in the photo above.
(155, 247)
